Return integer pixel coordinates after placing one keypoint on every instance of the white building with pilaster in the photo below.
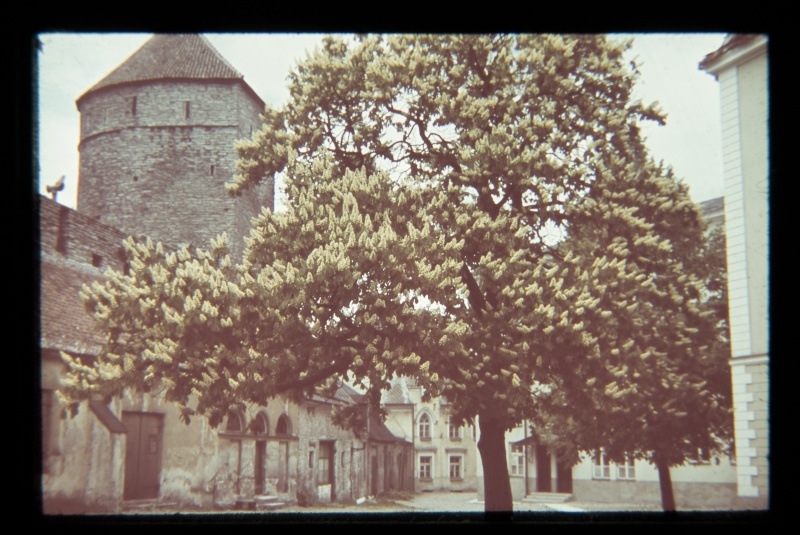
(740, 65)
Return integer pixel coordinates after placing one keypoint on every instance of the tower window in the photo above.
(212, 169)
(133, 105)
(187, 109)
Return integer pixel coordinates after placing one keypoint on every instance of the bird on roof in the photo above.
(55, 188)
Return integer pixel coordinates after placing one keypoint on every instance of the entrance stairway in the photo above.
(547, 497)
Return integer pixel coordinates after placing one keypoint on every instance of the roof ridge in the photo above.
(219, 55)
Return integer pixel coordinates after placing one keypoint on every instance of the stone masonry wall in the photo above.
(81, 237)
(160, 173)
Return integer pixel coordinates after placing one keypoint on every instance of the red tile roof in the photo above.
(65, 324)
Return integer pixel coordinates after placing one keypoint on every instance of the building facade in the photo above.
(445, 454)
(741, 67)
(157, 146)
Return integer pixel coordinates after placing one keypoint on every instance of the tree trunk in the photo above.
(665, 481)
(496, 485)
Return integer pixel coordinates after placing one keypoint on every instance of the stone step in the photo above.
(264, 498)
(146, 505)
(268, 506)
(547, 497)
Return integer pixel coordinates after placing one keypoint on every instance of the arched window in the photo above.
(234, 422)
(425, 427)
(283, 427)
(261, 424)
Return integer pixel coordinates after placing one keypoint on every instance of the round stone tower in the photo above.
(157, 144)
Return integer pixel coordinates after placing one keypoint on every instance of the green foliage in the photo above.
(476, 211)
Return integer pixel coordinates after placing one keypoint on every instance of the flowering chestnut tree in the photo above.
(478, 212)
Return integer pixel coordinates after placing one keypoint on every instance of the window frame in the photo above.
(516, 460)
(425, 426)
(459, 465)
(627, 471)
(602, 469)
(459, 432)
(425, 464)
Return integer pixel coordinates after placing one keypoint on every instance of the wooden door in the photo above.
(143, 455)
(374, 475)
(563, 478)
(543, 483)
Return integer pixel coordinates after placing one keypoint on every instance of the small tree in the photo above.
(431, 183)
(651, 373)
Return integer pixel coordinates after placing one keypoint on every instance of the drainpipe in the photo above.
(413, 459)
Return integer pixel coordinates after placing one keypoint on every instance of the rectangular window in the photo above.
(453, 431)
(600, 466)
(311, 460)
(455, 466)
(702, 457)
(425, 466)
(517, 460)
(133, 105)
(187, 109)
(627, 470)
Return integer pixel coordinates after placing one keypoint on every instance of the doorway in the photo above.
(374, 475)
(543, 482)
(260, 465)
(563, 477)
(142, 454)
(283, 473)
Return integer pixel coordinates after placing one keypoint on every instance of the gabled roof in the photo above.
(380, 433)
(172, 57)
(735, 47)
(398, 393)
(732, 40)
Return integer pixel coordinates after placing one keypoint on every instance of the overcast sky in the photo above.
(71, 63)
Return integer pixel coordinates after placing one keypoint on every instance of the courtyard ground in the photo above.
(428, 504)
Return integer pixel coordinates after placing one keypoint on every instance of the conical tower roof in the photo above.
(172, 57)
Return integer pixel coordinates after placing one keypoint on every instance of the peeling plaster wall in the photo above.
(82, 462)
